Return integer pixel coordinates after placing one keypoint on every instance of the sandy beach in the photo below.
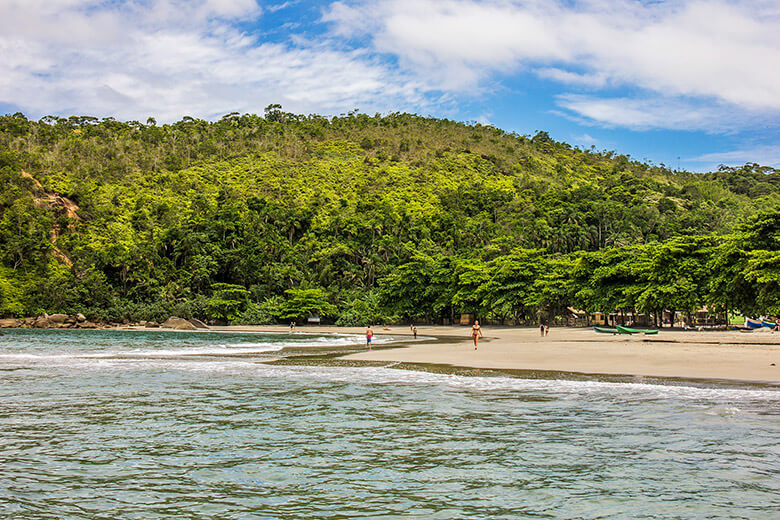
(707, 355)
(690, 354)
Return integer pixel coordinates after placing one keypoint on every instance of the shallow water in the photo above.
(108, 425)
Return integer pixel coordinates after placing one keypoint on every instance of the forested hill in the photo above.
(360, 218)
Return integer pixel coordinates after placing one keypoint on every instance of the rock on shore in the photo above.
(198, 324)
(177, 323)
(49, 321)
(7, 323)
(79, 321)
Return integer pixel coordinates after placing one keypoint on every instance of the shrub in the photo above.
(363, 309)
(260, 313)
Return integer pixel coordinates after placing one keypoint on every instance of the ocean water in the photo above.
(151, 425)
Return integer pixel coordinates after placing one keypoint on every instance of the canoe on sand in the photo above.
(627, 330)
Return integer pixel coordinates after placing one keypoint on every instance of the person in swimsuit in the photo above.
(476, 333)
(414, 331)
(369, 336)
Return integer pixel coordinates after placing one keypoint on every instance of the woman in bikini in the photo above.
(476, 333)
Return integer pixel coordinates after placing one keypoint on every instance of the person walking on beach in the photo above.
(541, 329)
(292, 326)
(369, 336)
(546, 330)
(414, 331)
(476, 333)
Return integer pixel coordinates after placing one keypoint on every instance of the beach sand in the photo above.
(690, 354)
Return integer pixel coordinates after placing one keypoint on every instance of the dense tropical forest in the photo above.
(360, 219)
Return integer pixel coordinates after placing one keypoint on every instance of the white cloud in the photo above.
(690, 64)
(484, 119)
(456, 42)
(586, 140)
(768, 155)
(651, 112)
(573, 78)
(170, 58)
(278, 7)
(723, 52)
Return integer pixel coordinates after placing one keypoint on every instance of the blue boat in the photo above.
(769, 324)
(753, 324)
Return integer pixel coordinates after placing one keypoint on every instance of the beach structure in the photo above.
(576, 318)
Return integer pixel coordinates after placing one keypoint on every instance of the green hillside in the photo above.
(366, 219)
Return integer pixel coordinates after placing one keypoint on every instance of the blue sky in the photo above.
(686, 83)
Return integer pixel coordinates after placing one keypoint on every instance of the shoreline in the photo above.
(688, 355)
(713, 357)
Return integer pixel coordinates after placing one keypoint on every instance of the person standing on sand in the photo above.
(414, 331)
(541, 329)
(369, 336)
(546, 330)
(476, 333)
(292, 326)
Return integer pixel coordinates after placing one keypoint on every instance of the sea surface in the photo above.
(150, 425)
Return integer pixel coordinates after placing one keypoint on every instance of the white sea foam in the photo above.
(206, 350)
(189, 360)
(727, 396)
(382, 375)
(481, 384)
(211, 350)
(201, 349)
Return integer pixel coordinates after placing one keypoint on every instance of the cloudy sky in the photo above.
(686, 83)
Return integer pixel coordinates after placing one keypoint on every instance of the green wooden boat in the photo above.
(626, 330)
(605, 330)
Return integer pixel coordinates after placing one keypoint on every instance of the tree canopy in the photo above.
(395, 217)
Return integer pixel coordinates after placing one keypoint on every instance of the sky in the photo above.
(687, 83)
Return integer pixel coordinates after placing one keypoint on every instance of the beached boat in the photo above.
(753, 324)
(769, 324)
(605, 330)
(627, 330)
